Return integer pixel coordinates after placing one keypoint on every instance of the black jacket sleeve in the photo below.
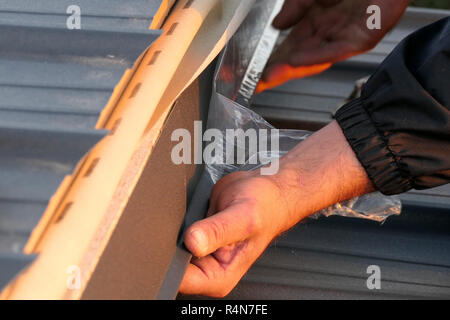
(400, 127)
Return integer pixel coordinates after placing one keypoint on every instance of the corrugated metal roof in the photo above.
(54, 83)
(106, 15)
(329, 259)
(11, 263)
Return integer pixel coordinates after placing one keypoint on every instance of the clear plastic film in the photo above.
(226, 114)
(241, 140)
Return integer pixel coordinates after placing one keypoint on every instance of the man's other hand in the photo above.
(325, 32)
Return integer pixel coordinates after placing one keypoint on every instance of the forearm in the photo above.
(320, 172)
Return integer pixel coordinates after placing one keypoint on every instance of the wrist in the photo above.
(318, 173)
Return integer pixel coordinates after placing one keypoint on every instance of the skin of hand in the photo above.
(248, 210)
(325, 32)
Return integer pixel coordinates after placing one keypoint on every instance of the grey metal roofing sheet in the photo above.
(329, 259)
(54, 83)
(131, 15)
(10, 264)
(312, 99)
(413, 19)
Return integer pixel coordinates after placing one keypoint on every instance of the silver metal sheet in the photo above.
(246, 54)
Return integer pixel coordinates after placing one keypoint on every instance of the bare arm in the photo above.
(320, 172)
(247, 210)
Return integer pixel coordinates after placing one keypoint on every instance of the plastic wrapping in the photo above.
(248, 52)
(226, 115)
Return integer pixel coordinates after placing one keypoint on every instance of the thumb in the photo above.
(234, 224)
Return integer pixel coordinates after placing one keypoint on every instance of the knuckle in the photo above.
(254, 219)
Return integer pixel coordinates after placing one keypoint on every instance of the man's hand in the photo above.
(325, 32)
(248, 210)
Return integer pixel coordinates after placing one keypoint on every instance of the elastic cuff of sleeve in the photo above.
(370, 148)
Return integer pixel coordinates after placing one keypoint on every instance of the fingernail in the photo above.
(200, 239)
